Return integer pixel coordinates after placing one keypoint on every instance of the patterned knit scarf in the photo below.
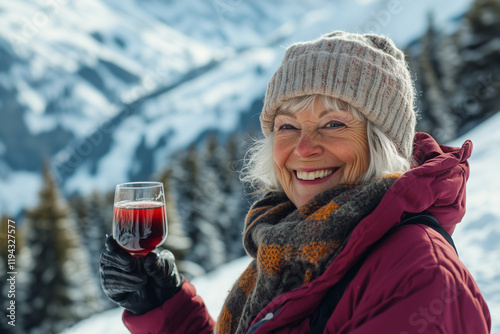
(292, 247)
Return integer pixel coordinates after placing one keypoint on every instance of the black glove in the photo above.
(136, 285)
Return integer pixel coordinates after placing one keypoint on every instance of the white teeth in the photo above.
(309, 176)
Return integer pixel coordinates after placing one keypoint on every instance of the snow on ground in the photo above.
(477, 236)
(215, 286)
(477, 239)
(107, 322)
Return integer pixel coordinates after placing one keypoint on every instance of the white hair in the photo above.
(259, 171)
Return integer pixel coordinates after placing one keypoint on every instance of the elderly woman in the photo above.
(341, 240)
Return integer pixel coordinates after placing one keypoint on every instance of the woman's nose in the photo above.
(308, 146)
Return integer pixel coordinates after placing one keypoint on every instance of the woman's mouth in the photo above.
(314, 175)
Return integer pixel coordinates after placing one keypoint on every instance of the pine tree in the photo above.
(236, 150)
(211, 201)
(458, 73)
(177, 240)
(98, 224)
(186, 174)
(231, 207)
(58, 287)
(445, 125)
(197, 187)
(478, 96)
(484, 17)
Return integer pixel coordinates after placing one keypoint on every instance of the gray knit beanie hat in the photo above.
(367, 71)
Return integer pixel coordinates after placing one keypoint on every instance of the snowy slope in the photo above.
(216, 100)
(243, 24)
(67, 67)
(53, 47)
(108, 322)
(476, 238)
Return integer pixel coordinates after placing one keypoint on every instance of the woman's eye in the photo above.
(286, 127)
(334, 125)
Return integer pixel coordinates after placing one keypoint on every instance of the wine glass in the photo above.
(139, 217)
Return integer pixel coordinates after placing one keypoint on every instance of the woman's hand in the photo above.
(135, 285)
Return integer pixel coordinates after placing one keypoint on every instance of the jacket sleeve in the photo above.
(422, 288)
(184, 313)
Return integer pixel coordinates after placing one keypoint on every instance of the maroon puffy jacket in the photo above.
(412, 282)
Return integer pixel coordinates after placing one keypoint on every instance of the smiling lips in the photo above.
(313, 175)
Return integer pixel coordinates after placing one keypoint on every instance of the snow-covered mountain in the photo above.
(107, 91)
(68, 67)
(476, 239)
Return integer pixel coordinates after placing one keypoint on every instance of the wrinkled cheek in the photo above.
(356, 169)
(279, 157)
(282, 150)
(284, 175)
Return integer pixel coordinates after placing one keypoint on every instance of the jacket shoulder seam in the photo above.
(437, 261)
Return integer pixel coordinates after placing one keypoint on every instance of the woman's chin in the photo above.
(304, 198)
(308, 193)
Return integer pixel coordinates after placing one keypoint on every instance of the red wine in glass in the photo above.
(139, 217)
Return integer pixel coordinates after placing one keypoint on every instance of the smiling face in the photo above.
(317, 149)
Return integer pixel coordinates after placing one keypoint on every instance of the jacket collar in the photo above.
(436, 184)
